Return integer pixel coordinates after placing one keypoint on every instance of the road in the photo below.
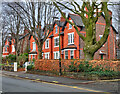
(22, 85)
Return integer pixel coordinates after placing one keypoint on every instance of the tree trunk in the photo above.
(89, 51)
(88, 56)
(39, 52)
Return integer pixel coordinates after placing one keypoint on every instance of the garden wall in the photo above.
(53, 65)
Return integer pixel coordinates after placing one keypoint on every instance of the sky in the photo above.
(115, 23)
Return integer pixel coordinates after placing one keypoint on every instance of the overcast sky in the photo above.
(115, 23)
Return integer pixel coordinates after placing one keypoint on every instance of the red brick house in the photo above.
(9, 47)
(71, 43)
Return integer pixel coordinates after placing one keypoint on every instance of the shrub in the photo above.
(22, 58)
(73, 67)
(105, 73)
(85, 67)
(11, 58)
(29, 67)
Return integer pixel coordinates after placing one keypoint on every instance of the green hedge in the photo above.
(29, 67)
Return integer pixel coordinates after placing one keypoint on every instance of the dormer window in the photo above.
(70, 26)
(56, 29)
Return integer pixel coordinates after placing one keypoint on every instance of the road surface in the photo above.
(21, 85)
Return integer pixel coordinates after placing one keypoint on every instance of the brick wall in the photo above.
(53, 65)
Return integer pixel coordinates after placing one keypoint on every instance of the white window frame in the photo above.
(46, 44)
(71, 54)
(13, 48)
(56, 52)
(70, 26)
(56, 29)
(65, 54)
(47, 55)
(34, 46)
(58, 41)
(71, 41)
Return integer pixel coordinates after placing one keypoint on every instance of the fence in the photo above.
(53, 65)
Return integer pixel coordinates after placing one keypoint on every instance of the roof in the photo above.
(114, 29)
(33, 52)
(76, 19)
(111, 25)
(51, 36)
(57, 22)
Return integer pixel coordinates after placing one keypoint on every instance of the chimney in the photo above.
(62, 19)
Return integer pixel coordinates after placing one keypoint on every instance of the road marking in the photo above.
(74, 87)
(55, 81)
(37, 79)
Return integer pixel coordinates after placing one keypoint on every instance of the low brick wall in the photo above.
(53, 65)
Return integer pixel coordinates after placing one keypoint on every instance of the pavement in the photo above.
(44, 78)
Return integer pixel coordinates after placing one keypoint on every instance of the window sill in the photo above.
(70, 43)
(33, 50)
(5, 52)
(56, 46)
(46, 48)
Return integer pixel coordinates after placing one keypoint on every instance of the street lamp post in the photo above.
(60, 70)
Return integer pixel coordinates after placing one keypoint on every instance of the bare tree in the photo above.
(94, 11)
(37, 18)
(13, 26)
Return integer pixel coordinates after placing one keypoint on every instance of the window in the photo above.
(71, 54)
(66, 54)
(56, 29)
(70, 26)
(34, 46)
(56, 41)
(56, 55)
(100, 38)
(47, 44)
(70, 38)
(47, 55)
(13, 48)
(33, 56)
(5, 49)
